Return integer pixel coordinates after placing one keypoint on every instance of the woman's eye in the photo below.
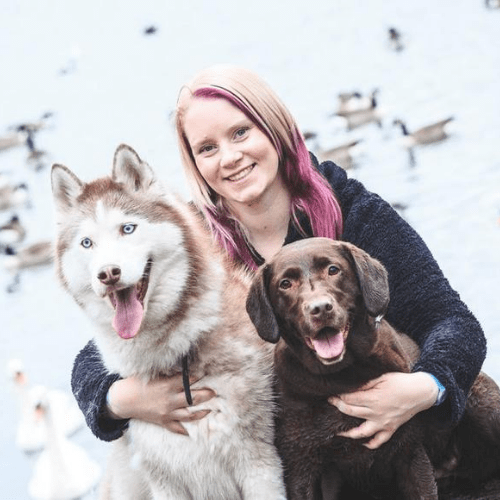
(86, 243)
(285, 284)
(128, 228)
(333, 270)
(241, 132)
(208, 148)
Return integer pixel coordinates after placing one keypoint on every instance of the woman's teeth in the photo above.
(241, 174)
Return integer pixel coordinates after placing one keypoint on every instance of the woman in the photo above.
(259, 188)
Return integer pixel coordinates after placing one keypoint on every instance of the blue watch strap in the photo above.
(441, 391)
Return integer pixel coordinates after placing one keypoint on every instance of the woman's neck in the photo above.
(266, 222)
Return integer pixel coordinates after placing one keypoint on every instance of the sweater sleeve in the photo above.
(422, 304)
(90, 382)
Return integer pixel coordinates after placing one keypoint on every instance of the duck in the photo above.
(435, 132)
(31, 434)
(14, 196)
(63, 470)
(12, 232)
(342, 155)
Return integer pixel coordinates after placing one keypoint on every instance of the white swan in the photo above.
(63, 471)
(31, 433)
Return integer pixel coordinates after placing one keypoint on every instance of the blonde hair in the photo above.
(309, 191)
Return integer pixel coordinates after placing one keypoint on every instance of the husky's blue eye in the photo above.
(86, 243)
(128, 228)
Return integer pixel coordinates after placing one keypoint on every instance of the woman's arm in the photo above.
(423, 304)
(108, 402)
(90, 382)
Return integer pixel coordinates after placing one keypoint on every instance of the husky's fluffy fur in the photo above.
(142, 265)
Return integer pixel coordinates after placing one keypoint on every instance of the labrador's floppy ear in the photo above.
(373, 281)
(259, 307)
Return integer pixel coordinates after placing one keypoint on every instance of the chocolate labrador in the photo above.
(322, 302)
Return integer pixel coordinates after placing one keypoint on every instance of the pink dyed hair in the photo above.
(309, 190)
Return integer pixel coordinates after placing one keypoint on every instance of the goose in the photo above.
(371, 114)
(14, 196)
(342, 155)
(12, 232)
(426, 135)
(20, 134)
(309, 135)
(11, 140)
(37, 159)
(31, 434)
(35, 126)
(352, 102)
(63, 471)
(37, 254)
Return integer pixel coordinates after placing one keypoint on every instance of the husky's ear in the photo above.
(373, 281)
(130, 170)
(66, 187)
(259, 307)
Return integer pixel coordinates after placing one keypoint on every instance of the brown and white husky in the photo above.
(142, 265)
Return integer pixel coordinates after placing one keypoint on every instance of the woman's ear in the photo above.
(259, 307)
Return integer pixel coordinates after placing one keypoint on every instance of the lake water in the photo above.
(106, 82)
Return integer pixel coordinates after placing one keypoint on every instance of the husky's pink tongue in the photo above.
(329, 347)
(128, 316)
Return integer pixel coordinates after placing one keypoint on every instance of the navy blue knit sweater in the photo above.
(423, 305)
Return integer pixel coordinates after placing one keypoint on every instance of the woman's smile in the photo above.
(242, 174)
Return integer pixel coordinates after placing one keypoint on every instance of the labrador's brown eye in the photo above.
(333, 270)
(285, 284)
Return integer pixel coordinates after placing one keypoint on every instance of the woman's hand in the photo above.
(385, 404)
(161, 401)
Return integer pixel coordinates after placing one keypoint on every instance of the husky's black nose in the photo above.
(109, 275)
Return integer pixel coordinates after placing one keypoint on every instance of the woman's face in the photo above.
(236, 159)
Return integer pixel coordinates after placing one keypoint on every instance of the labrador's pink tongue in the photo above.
(329, 347)
(129, 312)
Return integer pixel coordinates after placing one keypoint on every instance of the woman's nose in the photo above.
(230, 155)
